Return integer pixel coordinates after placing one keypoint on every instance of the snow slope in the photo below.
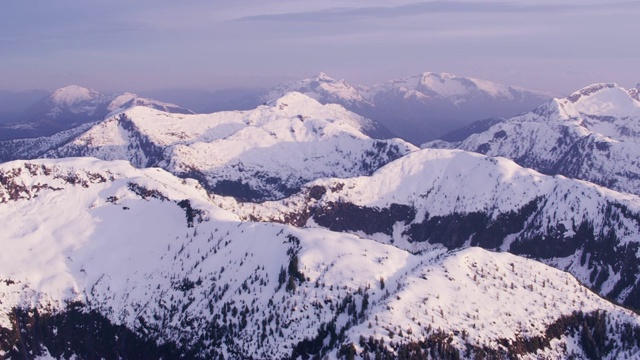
(149, 251)
(327, 90)
(79, 100)
(31, 148)
(421, 107)
(322, 88)
(458, 89)
(455, 199)
(72, 106)
(426, 106)
(265, 153)
(590, 135)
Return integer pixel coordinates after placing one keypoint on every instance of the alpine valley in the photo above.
(295, 230)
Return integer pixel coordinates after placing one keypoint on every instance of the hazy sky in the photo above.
(150, 44)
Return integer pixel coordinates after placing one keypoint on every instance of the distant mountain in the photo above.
(71, 106)
(31, 148)
(454, 199)
(265, 153)
(426, 106)
(324, 89)
(327, 90)
(417, 109)
(288, 231)
(422, 107)
(103, 260)
(590, 135)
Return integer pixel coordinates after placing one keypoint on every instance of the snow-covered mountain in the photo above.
(454, 199)
(426, 106)
(324, 89)
(422, 107)
(31, 148)
(351, 246)
(74, 105)
(104, 260)
(265, 153)
(327, 90)
(592, 135)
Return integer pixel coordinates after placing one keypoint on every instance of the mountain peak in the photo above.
(293, 97)
(449, 85)
(603, 99)
(295, 103)
(635, 92)
(441, 76)
(323, 77)
(590, 90)
(120, 100)
(72, 94)
(321, 87)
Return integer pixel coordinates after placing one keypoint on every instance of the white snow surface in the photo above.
(129, 100)
(327, 90)
(420, 107)
(442, 182)
(445, 182)
(73, 94)
(75, 230)
(290, 141)
(322, 88)
(590, 135)
(456, 89)
(79, 100)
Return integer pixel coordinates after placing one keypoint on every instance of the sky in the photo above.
(118, 45)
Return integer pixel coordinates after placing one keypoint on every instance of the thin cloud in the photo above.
(432, 7)
(396, 37)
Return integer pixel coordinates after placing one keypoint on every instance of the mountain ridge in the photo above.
(265, 290)
(433, 199)
(226, 151)
(71, 106)
(286, 231)
(588, 135)
(420, 107)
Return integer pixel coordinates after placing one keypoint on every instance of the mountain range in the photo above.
(143, 264)
(417, 109)
(71, 106)
(590, 135)
(302, 139)
(421, 107)
(433, 199)
(289, 231)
